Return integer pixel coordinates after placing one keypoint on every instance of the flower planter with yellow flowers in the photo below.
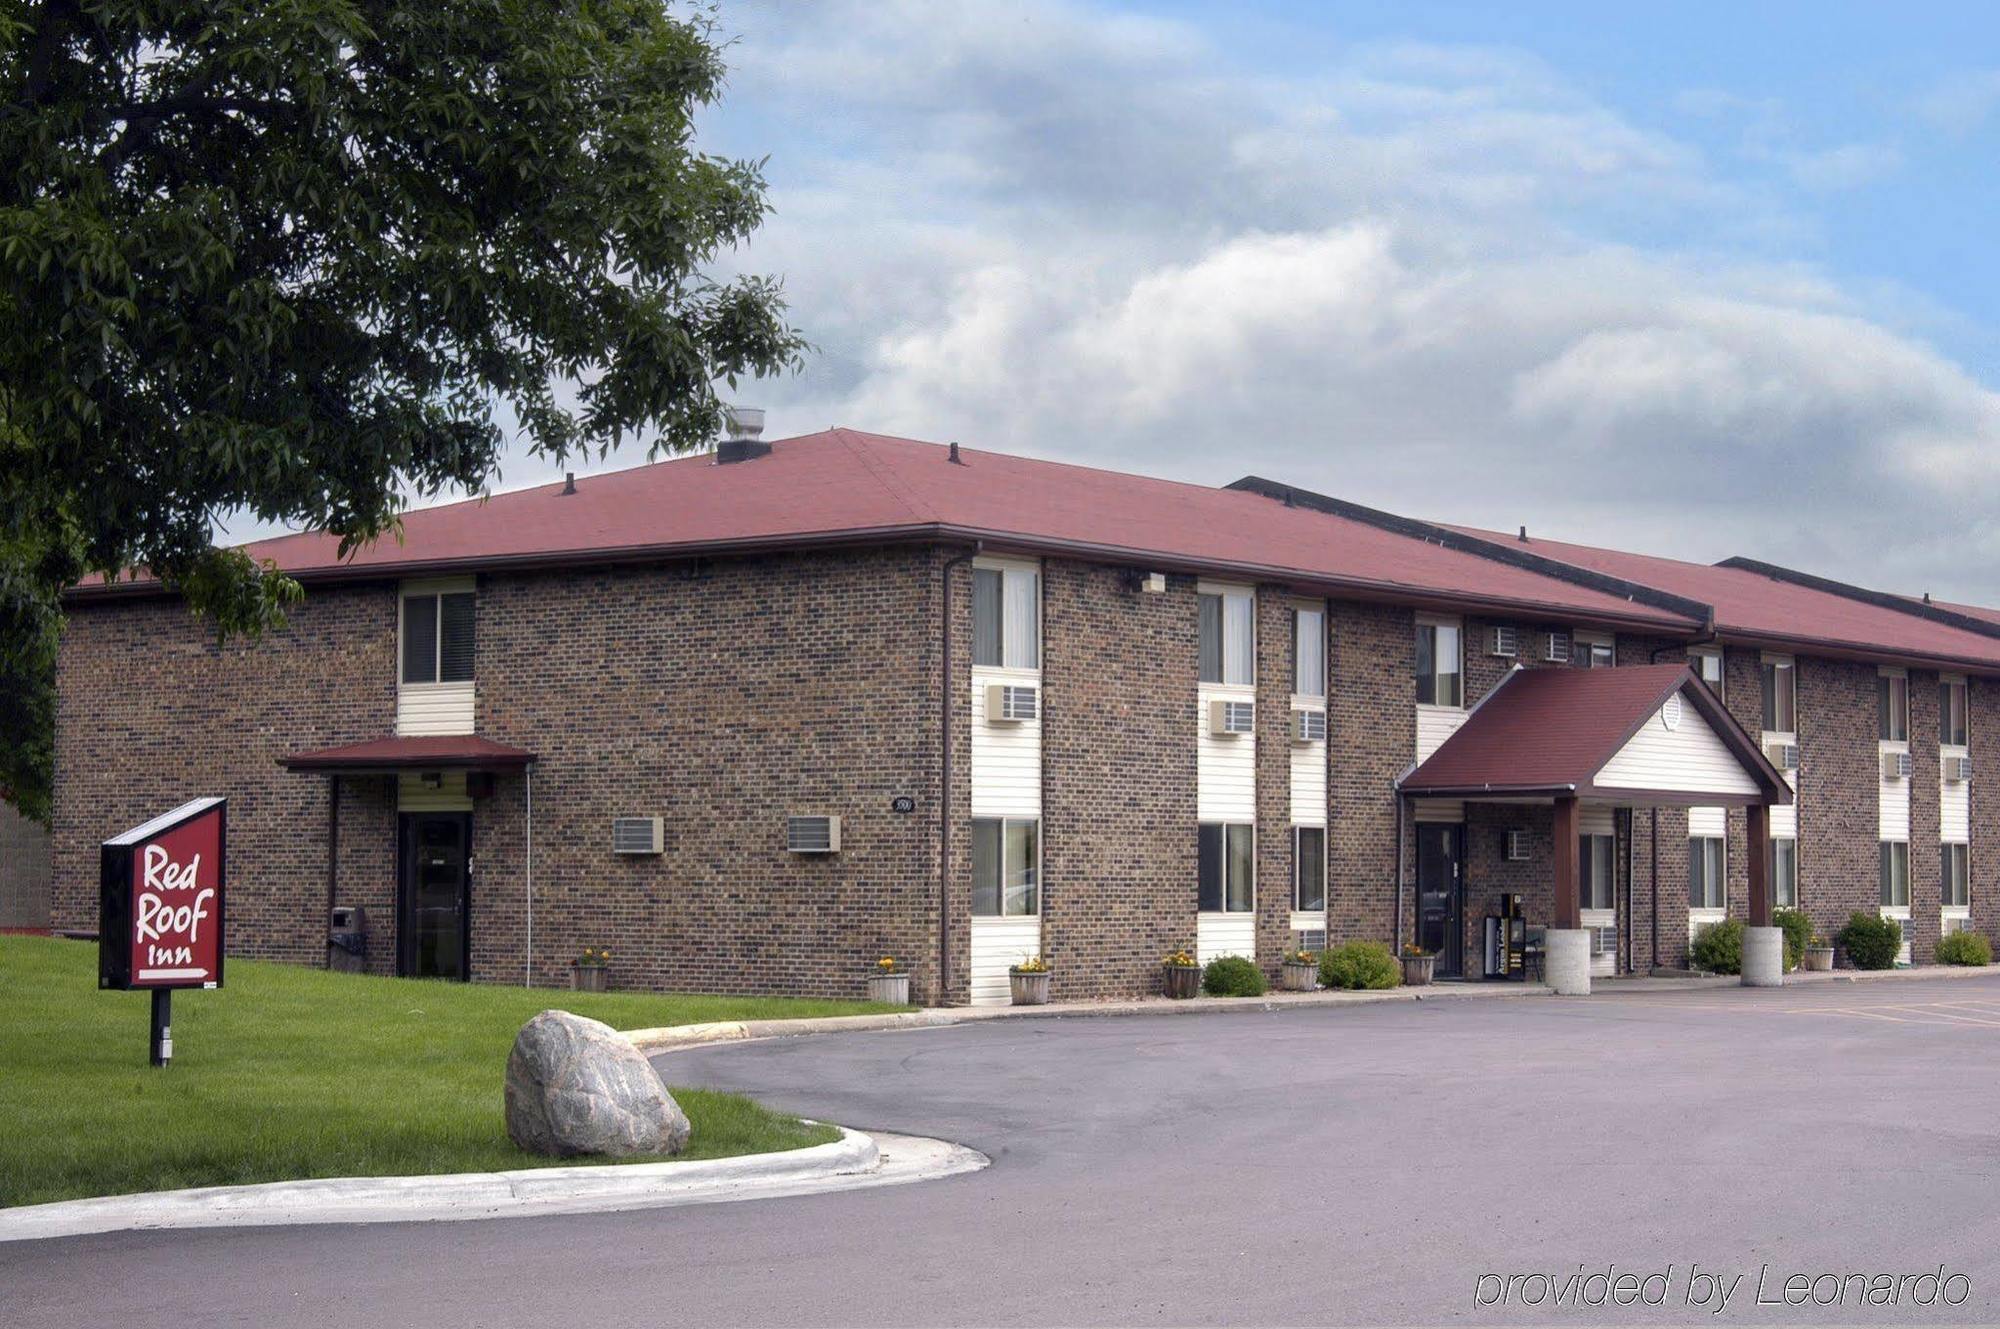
(1419, 966)
(1181, 975)
(591, 972)
(1028, 982)
(889, 983)
(1299, 972)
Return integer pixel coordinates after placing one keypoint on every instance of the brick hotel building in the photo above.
(754, 718)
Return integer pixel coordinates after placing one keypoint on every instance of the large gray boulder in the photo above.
(575, 1086)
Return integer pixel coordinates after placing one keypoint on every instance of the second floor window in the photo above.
(1896, 874)
(1007, 618)
(1599, 874)
(437, 637)
(1708, 666)
(1780, 697)
(1892, 706)
(1439, 680)
(1228, 637)
(1227, 862)
(1309, 869)
(1951, 713)
(1706, 885)
(1309, 652)
(1957, 886)
(1586, 653)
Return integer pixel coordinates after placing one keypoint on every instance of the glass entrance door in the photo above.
(433, 940)
(1441, 896)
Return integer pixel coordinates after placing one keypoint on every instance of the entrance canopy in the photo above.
(389, 756)
(1648, 735)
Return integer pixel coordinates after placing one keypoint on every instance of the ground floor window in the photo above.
(1227, 861)
(1308, 869)
(1706, 886)
(1957, 892)
(1895, 874)
(1006, 867)
(1785, 873)
(1594, 891)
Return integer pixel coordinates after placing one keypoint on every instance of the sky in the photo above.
(1691, 279)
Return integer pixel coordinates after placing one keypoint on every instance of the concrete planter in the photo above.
(589, 978)
(1182, 980)
(890, 989)
(1819, 959)
(1418, 970)
(1028, 989)
(1294, 976)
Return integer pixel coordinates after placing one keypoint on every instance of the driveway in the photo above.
(1353, 1165)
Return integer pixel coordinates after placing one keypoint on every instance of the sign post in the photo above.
(160, 909)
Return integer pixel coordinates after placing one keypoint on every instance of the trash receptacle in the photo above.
(347, 939)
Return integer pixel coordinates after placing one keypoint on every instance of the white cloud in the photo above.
(1962, 103)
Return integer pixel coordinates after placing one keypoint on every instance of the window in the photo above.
(437, 638)
(1309, 652)
(1227, 859)
(1780, 697)
(1951, 712)
(1596, 860)
(1438, 665)
(1591, 653)
(1007, 618)
(1706, 887)
(1006, 868)
(1957, 886)
(1309, 869)
(1892, 708)
(1708, 666)
(1895, 874)
(1228, 637)
(1785, 874)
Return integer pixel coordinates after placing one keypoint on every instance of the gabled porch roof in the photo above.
(1650, 735)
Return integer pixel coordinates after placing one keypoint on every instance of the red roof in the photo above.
(441, 751)
(1757, 608)
(847, 486)
(1550, 731)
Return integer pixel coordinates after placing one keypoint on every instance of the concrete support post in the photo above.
(1567, 954)
(1763, 945)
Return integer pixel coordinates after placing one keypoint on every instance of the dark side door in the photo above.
(434, 897)
(1441, 896)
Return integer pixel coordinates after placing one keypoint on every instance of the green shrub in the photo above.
(1232, 976)
(1968, 948)
(1870, 940)
(1798, 934)
(1718, 948)
(1360, 964)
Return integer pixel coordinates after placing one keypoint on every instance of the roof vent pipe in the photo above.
(744, 424)
(569, 482)
(1523, 536)
(954, 458)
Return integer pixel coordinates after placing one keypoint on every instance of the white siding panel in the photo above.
(1434, 725)
(1706, 821)
(1954, 805)
(1225, 767)
(1785, 822)
(997, 945)
(1312, 920)
(413, 795)
(1895, 806)
(1006, 758)
(434, 708)
(1596, 819)
(1308, 784)
(1445, 811)
(1688, 759)
(1217, 935)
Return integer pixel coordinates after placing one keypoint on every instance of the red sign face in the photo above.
(176, 939)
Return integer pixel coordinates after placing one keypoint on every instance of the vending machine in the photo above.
(1507, 939)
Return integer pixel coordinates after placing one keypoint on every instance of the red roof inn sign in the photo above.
(160, 908)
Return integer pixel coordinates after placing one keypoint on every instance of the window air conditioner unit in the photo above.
(1555, 648)
(1951, 925)
(638, 835)
(1308, 726)
(1503, 641)
(1517, 850)
(1012, 703)
(1229, 718)
(1604, 941)
(1895, 766)
(1958, 769)
(812, 835)
(1784, 756)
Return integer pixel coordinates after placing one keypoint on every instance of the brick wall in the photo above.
(1118, 779)
(24, 871)
(1839, 774)
(1982, 704)
(1926, 860)
(1275, 851)
(1372, 737)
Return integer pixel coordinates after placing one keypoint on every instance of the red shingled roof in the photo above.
(1550, 731)
(844, 486)
(437, 752)
(1754, 608)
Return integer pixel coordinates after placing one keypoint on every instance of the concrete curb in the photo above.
(853, 1160)
(673, 1037)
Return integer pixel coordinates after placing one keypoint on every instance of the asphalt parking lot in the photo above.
(1456, 1161)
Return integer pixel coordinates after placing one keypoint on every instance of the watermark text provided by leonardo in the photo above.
(1717, 1290)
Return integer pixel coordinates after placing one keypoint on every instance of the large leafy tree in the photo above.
(301, 258)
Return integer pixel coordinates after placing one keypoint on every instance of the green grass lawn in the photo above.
(289, 1072)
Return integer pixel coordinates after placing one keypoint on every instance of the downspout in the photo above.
(528, 869)
(1653, 820)
(332, 855)
(944, 771)
(1401, 803)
